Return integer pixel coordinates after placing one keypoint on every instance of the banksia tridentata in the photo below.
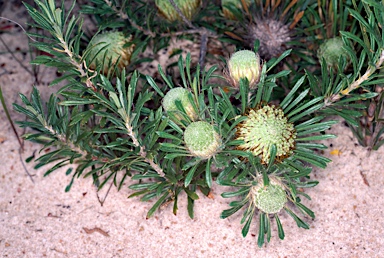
(227, 4)
(331, 50)
(109, 49)
(244, 64)
(269, 199)
(184, 96)
(202, 140)
(187, 7)
(263, 128)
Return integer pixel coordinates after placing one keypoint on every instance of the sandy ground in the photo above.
(40, 220)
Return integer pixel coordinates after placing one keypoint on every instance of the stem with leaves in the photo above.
(356, 84)
(143, 152)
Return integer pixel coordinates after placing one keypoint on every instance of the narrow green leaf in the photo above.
(305, 209)
(245, 229)
(208, 174)
(273, 62)
(241, 191)
(154, 85)
(190, 175)
(157, 204)
(300, 223)
(288, 99)
(279, 227)
(260, 239)
(191, 194)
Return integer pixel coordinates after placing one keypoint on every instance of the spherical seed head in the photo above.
(272, 35)
(269, 199)
(111, 47)
(244, 64)
(263, 128)
(232, 3)
(201, 139)
(331, 50)
(188, 7)
(182, 95)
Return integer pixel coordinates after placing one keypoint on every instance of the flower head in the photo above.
(188, 8)
(265, 127)
(244, 64)
(331, 50)
(109, 48)
(201, 139)
(269, 199)
(272, 34)
(179, 94)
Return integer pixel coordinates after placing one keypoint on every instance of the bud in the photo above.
(109, 48)
(269, 199)
(244, 64)
(234, 4)
(183, 95)
(331, 50)
(187, 7)
(263, 128)
(201, 139)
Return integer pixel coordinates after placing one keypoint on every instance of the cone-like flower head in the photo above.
(201, 139)
(331, 50)
(244, 64)
(269, 199)
(183, 95)
(188, 7)
(272, 34)
(263, 128)
(112, 47)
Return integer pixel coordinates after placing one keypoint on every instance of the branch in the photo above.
(356, 84)
(143, 152)
(74, 62)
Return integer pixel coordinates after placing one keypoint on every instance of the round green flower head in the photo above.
(232, 3)
(331, 50)
(263, 128)
(182, 95)
(201, 139)
(187, 7)
(269, 199)
(244, 64)
(109, 48)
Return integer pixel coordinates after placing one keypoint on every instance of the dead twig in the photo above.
(105, 196)
(14, 56)
(95, 229)
(364, 178)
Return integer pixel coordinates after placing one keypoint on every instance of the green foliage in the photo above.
(112, 127)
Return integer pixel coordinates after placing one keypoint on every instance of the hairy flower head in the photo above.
(201, 139)
(187, 7)
(263, 128)
(331, 50)
(109, 48)
(272, 34)
(244, 64)
(183, 95)
(269, 199)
